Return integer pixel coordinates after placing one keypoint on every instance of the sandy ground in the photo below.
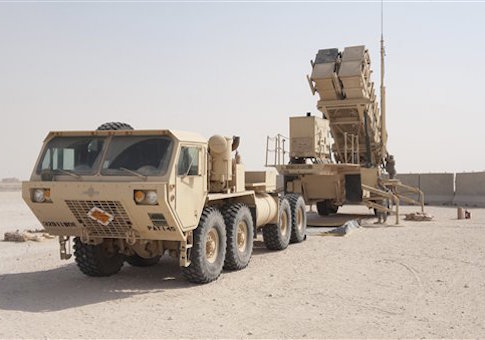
(423, 279)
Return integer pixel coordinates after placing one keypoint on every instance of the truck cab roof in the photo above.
(181, 136)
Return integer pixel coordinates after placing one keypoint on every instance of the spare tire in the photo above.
(115, 126)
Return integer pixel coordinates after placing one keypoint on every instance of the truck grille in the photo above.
(117, 228)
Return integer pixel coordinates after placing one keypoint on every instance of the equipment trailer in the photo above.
(352, 170)
(131, 195)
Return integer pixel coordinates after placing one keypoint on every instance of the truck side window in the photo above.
(188, 164)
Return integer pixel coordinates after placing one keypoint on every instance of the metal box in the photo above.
(309, 137)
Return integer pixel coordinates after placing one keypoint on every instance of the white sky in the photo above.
(237, 69)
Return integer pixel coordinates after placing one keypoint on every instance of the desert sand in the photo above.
(421, 279)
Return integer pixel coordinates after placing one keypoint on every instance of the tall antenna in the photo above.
(383, 89)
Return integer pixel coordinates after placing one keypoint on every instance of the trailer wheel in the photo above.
(298, 218)
(114, 126)
(239, 229)
(326, 207)
(209, 248)
(97, 260)
(277, 236)
(138, 261)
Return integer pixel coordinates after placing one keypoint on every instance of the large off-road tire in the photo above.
(277, 236)
(138, 261)
(239, 231)
(298, 218)
(97, 260)
(326, 207)
(209, 249)
(115, 126)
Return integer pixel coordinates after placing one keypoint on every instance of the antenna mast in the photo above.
(383, 89)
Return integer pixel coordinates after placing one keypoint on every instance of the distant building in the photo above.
(10, 180)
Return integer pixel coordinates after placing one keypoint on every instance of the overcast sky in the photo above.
(237, 69)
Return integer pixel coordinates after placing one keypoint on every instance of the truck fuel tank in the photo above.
(266, 209)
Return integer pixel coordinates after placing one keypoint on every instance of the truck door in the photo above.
(191, 186)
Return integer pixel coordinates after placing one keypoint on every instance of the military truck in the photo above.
(124, 195)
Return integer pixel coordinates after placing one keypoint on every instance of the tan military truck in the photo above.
(132, 195)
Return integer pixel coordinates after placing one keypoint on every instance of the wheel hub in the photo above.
(242, 236)
(299, 220)
(212, 245)
(284, 224)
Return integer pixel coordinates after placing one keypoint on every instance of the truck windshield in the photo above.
(80, 155)
(143, 155)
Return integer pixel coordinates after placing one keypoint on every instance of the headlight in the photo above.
(148, 197)
(151, 197)
(139, 196)
(41, 195)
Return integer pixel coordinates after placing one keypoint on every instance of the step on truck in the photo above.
(123, 195)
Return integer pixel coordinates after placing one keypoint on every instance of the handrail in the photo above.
(279, 150)
(394, 200)
(395, 185)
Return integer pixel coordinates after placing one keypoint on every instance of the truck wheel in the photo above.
(326, 207)
(209, 248)
(239, 229)
(298, 218)
(97, 260)
(277, 236)
(138, 261)
(115, 126)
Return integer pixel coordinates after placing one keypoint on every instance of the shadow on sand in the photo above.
(260, 249)
(66, 287)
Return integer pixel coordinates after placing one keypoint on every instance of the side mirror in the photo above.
(46, 175)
